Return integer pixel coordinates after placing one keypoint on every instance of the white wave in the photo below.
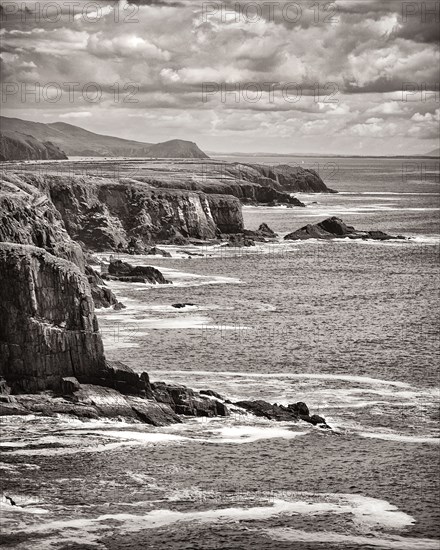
(289, 376)
(142, 437)
(392, 542)
(250, 434)
(403, 194)
(387, 436)
(22, 505)
(367, 512)
(74, 449)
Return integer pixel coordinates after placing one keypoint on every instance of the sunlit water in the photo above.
(351, 328)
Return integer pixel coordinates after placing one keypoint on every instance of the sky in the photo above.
(349, 77)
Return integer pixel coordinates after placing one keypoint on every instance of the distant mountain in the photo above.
(434, 153)
(176, 148)
(17, 146)
(76, 141)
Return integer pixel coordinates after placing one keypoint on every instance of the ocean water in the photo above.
(350, 328)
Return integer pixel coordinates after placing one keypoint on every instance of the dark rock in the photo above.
(4, 388)
(299, 408)
(69, 385)
(263, 233)
(211, 393)
(154, 251)
(187, 402)
(102, 296)
(333, 228)
(48, 329)
(121, 377)
(119, 305)
(153, 413)
(7, 399)
(141, 273)
(266, 231)
(240, 240)
(181, 305)
(267, 410)
(13, 503)
(110, 403)
(293, 412)
(316, 419)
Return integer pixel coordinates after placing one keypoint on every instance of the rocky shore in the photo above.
(52, 359)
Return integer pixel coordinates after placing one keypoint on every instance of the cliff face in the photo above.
(49, 329)
(16, 146)
(293, 179)
(27, 216)
(104, 214)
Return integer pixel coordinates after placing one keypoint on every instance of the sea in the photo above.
(351, 328)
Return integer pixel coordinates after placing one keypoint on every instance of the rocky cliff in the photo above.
(28, 216)
(106, 215)
(17, 146)
(292, 179)
(49, 329)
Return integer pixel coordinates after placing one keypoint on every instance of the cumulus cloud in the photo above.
(349, 61)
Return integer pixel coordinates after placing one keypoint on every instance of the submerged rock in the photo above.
(155, 251)
(333, 228)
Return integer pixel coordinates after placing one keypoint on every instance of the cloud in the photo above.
(350, 67)
(76, 114)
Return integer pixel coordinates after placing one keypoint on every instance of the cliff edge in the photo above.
(49, 329)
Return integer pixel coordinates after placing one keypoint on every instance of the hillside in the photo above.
(434, 153)
(76, 141)
(176, 148)
(18, 146)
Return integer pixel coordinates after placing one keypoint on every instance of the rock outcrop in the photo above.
(123, 271)
(293, 412)
(185, 401)
(49, 329)
(263, 233)
(335, 228)
(90, 401)
(293, 179)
